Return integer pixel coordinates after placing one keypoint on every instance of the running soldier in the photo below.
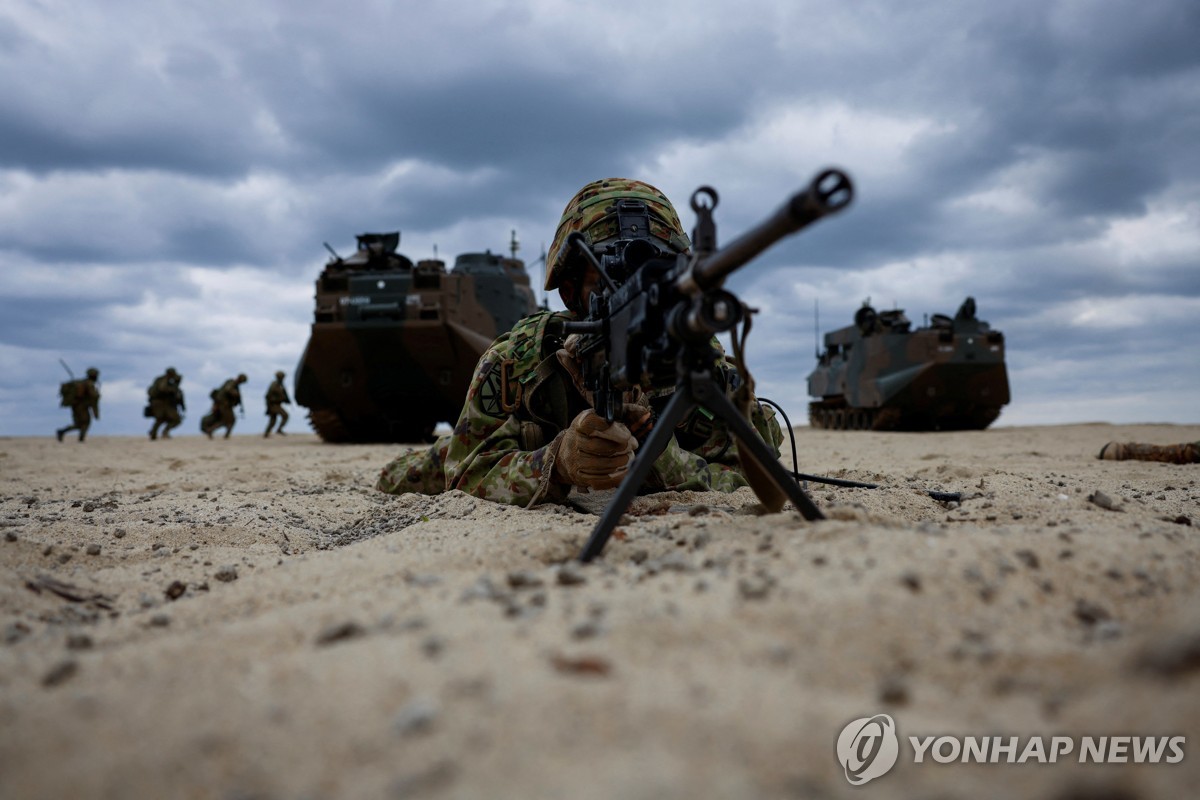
(277, 397)
(83, 398)
(224, 400)
(166, 401)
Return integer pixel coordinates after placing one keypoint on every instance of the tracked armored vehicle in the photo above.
(394, 344)
(880, 374)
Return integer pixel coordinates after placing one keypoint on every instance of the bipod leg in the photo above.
(707, 393)
(678, 407)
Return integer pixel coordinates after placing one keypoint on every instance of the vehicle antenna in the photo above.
(817, 328)
(542, 260)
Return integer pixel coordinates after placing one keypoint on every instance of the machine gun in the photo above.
(651, 325)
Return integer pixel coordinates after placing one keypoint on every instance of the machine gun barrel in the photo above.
(829, 192)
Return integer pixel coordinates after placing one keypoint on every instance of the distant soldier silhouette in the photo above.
(166, 401)
(224, 400)
(277, 396)
(83, 398)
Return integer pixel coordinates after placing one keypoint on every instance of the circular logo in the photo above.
(867, 748)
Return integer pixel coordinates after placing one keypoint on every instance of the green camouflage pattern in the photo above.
(880, 374)
(225, 399)
(85, 405)
(166, 398)
(518, 405)
(276, 398)
(590, 213)
(394, 344)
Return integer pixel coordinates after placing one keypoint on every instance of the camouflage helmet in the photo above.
(241, 378)
(93, 373)
(592, 213)
(171, 373)
(280, 374)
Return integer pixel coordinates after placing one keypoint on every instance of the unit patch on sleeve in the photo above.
(490, 391)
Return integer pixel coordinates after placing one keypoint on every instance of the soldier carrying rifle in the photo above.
(83, 398)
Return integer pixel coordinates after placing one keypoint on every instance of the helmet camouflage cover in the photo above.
(592, 212)
(93, 373)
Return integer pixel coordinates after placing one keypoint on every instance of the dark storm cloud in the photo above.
(316, 95)
(1078, 92)
(516, 121)
(36, 322)
(144, 142)
(85, 310)
(1040, 156)
(207, 242)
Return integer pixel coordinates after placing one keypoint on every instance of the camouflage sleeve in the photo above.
(713, 464)
(485, 458)
(721, 446)
(681, 470)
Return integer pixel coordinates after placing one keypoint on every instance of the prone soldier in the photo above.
(528, 433)
(1186, 453)
(166, 401)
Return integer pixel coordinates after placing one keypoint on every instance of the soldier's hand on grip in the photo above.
(593, 452)
(570, 364)
(638, 418)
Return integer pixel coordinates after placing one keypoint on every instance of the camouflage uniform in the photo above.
(224, 400)
(1188, 453)
(85, 405)
(520, 400)
(277, 396)
(166, 399)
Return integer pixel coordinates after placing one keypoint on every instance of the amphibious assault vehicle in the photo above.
(394, 344)
(880, 374)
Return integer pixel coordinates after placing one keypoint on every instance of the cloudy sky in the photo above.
(169, 170)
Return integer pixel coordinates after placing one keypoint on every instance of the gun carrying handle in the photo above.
(829, 192)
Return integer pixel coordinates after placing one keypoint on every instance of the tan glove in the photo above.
(570, 364)
(638, 418)
(593, 452)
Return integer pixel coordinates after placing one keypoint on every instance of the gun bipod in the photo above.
(696, 389)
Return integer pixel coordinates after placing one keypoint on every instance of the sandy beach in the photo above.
(250, 619)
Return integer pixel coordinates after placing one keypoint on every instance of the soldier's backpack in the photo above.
(69, 391)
